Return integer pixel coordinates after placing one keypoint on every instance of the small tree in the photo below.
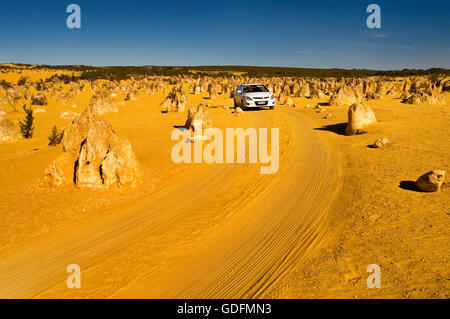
(55, 137)
(22, 81)
(5, 85)
(26, 126)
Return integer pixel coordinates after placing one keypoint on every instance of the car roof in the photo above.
(249, 84)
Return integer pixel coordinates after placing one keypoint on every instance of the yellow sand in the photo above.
(225, 230)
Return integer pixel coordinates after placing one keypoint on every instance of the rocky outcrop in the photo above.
(344, 96)
(317, 94)
(103, 103)
(195, 114)
(176, 101)
(39, 99)
(212, 90)
(360, 117)
(106, 159)
(97, 155)
(422, 91)
(132, 96)
(425, 98)
(61, 171)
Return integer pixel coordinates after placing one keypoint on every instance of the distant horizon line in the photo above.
(219, 65)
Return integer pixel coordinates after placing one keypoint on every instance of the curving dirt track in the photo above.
(254, 240)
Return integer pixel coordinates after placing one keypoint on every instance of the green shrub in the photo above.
(55, 137)
(22, 81)
(26, 126)
(5, 85)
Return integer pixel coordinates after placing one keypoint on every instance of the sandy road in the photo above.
(262, 236)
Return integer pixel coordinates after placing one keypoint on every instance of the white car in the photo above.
(253, 95)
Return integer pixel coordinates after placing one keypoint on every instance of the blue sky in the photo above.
(324, 34)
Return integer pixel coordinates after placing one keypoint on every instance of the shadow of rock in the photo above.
(409, 186)
(180, 127)
(335, 128)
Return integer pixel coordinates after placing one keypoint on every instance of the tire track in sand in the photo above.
(242, 258)
(251, 251)
(32, 267)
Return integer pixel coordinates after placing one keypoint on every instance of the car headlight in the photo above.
(248, 98)
(272, 97)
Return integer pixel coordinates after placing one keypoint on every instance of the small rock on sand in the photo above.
(380, 143)
(431, 181)
(68, 115)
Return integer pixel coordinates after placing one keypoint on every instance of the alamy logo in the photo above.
(208, 146)
(74, 19)
(374, 19)
(374, 280)
(74, 279)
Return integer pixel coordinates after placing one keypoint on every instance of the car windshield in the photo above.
(255, 89)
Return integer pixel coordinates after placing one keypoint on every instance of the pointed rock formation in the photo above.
(198, 113)
(94, 157)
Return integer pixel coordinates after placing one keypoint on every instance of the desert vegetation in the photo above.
(55, 136)
(26, 126)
